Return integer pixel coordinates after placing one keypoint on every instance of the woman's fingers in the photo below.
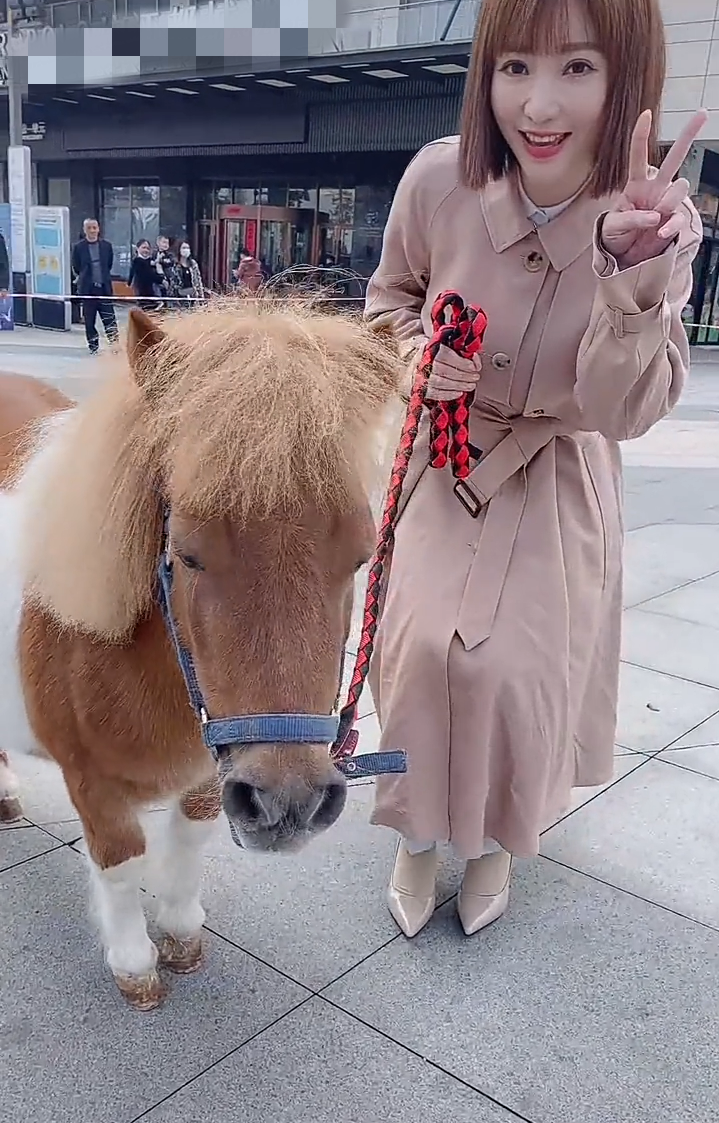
(639, 147)
(673, 198)
(674, 226)
(618, 224)
(450, 358)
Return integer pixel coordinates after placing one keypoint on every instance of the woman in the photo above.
(187, 280)
(143, 276)
(248, 274)
(497, 658)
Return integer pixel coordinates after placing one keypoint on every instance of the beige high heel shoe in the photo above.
(411, 896)
(484, 895)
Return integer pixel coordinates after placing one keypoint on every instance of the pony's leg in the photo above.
(116, 846)
(10, 806)
(180, 914)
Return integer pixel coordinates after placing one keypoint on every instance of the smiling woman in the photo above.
(573, 53)
(497, 654)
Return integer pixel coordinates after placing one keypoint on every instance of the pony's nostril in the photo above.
(240, 799)
(331, 805)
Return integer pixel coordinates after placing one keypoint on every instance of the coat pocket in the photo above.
(601, 479)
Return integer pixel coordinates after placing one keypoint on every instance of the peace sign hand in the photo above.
(649, 213)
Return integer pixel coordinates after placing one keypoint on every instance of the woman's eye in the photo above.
(579, 67)
(514, 67)
(189, 561)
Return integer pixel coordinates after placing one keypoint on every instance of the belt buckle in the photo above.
(473, 506)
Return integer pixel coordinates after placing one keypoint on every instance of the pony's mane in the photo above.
(244, 407)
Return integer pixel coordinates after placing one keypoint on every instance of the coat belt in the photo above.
(510, 443)
(503, 464)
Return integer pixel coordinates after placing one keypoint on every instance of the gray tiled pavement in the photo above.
(594, 1000)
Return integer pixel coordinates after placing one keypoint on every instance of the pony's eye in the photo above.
(189, 561)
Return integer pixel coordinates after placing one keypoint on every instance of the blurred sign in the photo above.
(50, 261)
(36, 131)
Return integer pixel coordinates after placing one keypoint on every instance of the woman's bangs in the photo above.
(533, 27)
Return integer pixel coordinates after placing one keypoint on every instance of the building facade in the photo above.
(295, 147)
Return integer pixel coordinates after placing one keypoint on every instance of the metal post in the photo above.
(14, 87)
(452, 15)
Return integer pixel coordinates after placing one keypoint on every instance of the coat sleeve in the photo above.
(633, 360)
(396, 292)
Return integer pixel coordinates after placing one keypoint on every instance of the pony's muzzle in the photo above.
(274, 810)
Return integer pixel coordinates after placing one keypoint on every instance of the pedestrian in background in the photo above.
(143, 277)
(4, 267)
(92, 259)
(249, 274)
(497, 659)
(164, 264)
(187, 279)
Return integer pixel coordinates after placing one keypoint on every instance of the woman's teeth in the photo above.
(545, 141)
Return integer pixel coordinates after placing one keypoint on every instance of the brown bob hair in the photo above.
(630, 33)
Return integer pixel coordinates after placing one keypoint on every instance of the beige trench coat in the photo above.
(497, 659)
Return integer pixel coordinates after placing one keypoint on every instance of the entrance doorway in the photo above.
(279, 237)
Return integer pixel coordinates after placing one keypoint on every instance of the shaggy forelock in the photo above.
(244, 407)
(258, 407)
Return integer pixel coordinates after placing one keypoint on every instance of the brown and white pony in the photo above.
(247, 433)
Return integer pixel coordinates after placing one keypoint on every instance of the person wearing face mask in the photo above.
(497, 655)
(143, 277)
(187, 280)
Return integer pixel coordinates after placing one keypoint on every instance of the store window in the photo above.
(131, 211)
(335, 220)
(371, 212)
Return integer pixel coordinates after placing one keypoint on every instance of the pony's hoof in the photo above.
(144, 992)
(181, 956)
(10, 809)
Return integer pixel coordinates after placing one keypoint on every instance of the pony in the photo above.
(232, 451)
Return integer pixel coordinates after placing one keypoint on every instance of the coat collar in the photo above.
(564, 239)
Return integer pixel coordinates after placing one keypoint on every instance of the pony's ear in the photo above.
(143, 333)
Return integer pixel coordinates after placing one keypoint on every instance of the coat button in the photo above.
(500, 361)
(534, 261)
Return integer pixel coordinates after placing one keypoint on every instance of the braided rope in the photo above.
(449, 443)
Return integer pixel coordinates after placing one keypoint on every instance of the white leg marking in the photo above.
(128, 948)
(9, 785)
(179, 912)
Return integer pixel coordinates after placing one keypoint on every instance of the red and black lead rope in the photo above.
(463, 332)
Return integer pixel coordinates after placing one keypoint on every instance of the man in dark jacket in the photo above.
(92, 260)
(4, 267)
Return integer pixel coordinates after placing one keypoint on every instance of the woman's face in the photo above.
(550, 110)
(184, 250)
(144, 249)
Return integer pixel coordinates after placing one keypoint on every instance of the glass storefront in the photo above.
(131, 211)
(286, 225)
(701, 315)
